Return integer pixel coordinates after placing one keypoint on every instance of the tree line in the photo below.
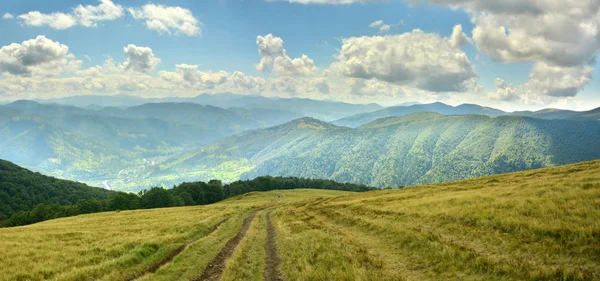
(185, 194)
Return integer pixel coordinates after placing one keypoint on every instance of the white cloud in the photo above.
(458, 37)
(54, 20)
(422, 60)
(87, 16)
(167, 20)
(274, 58)
(558, 81)
(39, 56)
(140, 59)
(381, 26)
(561, 38)
(504, 92)
(8, 16)
(384, 28)
(376, 23)
(192, 77)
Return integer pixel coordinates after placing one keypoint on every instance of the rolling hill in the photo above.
(534, 225)
(397, 151)
(22, 190)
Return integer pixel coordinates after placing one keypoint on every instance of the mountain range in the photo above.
(397, 151)
(137, 146)
(441, 108)
(324, 110)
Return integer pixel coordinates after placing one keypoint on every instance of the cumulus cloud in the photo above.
(87, 16)
(35, 56)
(504, 92)
(140, 59)
(8, 16)
(422, 60)
(458, 37)
(192, 77)
(167, 20)
(54, 20)
(274, 58)
(321, 85)
(558, 81)
(561, 38)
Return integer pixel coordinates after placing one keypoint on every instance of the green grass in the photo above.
(534, 225)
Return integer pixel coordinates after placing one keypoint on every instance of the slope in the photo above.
(534, 225)
(21, 190)
(414, 149)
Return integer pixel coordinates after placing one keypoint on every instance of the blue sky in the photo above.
(228, 42)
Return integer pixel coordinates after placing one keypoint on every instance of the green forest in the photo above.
(27, 197)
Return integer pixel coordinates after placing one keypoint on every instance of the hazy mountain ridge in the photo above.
(321, 109)
(167, 143)
(96, 145)
(441, 108)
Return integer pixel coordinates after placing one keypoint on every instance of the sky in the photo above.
(512, 55)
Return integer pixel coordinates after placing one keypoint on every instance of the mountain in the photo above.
(441, 108)
(325, 110)
(22, 190)
(34, 143)
(206, 117)
(552, 113)
(593, 114)
(95, 145)
(397, 111)
(414, 149)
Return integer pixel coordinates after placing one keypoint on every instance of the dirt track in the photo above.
(215, 268)
(174, 253)
(272, 259)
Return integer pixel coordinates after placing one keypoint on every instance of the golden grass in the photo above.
(533, 225)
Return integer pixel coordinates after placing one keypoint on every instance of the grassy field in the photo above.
(534, 225)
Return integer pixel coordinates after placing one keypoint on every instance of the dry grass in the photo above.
(534, 225)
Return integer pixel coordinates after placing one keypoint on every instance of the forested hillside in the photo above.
(22, 190)
(27, 197)
(414, 149)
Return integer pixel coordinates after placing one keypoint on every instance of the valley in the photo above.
(134, 143)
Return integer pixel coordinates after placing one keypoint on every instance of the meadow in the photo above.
(534, 225)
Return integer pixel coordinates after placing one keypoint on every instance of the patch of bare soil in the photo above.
(214, 269)
(273, 260)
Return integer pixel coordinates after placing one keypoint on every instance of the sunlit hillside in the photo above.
(535, 225)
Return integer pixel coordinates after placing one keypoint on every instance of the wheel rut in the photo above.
(169, 258)
(214, 269)
(272, 260)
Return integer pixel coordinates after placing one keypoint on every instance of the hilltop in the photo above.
(534, 225)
